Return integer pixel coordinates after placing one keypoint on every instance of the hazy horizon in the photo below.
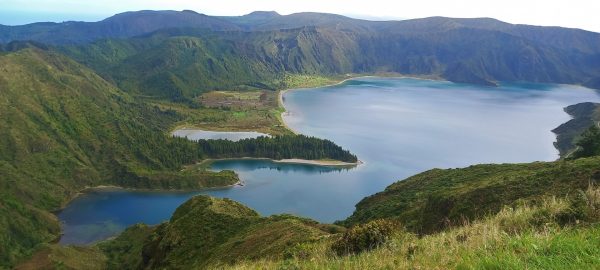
(576, 14)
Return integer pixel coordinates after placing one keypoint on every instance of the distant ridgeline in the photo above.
(64, 128)
(180, 54)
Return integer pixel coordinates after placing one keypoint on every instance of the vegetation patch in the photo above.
(588, 144)
(65, 257)
(278, 147)
(365, 237)
(584, 115)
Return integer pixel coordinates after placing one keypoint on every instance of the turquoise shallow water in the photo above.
(397, 127)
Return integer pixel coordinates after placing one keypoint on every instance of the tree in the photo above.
(589, 143)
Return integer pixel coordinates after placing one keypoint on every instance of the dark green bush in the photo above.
(365, 237)
(589, 143)
(578, 209)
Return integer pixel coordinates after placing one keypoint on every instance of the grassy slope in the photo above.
(125, 250)
(63, 128)
(231, 111)
(65, 257)
(207, 230)
(430, 201)
(525, 237)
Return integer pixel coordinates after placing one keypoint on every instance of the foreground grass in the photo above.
(65, 257)
(526, 237)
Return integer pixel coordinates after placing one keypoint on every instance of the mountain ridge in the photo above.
(263, 46)
(242, 59)
(270, 20)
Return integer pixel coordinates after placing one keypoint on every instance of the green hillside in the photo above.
(547, 235)
(63, 128)
(205, 231)
(431, 201)
(180, 64)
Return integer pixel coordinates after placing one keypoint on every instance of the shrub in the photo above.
(583, 206)
(365, 237)
(589, 143)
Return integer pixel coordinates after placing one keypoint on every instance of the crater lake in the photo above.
(396, 126)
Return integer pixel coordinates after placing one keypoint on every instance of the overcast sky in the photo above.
(584, 14)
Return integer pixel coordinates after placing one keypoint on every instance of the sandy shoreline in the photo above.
(318, 162)
(283, 91)
(325, 163)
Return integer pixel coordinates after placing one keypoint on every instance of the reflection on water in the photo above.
(245, 165)
(102, 213)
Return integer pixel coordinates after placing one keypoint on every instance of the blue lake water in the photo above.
(397, 127)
